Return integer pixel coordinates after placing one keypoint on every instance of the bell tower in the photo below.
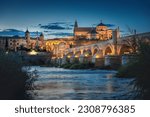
(75, 27)
(27, 38)
(76, 24)
(42, 39)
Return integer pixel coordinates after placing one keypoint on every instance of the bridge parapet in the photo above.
(96, 52)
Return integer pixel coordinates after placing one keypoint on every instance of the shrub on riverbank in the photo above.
(76, 65)
(140, 70)
(12, 78)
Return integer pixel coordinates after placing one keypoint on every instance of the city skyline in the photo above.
(56, 18)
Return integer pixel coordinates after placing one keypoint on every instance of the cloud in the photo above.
(34, 34)
(59, 23)
(52, 27)
(46, 31)
(57, 26)
(11, 32)
(72, 25)
(16, 32)
(61, 34)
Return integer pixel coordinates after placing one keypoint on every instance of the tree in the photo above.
(133, 41)
(6, 44)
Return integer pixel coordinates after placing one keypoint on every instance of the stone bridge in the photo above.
(104, 52)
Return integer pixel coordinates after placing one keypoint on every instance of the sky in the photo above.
(55, 18)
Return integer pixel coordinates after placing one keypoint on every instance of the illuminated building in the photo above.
(16, 42)
(82, 36)
(100, 32)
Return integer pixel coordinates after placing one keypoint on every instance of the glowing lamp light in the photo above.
(109, 53)
(97, 56)
(6, 52)
(42, 47)
(68, 56)
(86, 55)
(76, 56)
(126, 52)
(33, 52)
(53, 57)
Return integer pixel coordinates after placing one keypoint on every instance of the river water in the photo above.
(62, 84)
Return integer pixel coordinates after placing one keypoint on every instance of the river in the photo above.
(62, 84)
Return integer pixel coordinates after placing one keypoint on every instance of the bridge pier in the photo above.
(81, 58)
(72, 59)
(127, 58)
(99, 62)
(112, 60)
(54, 60)
(64, 60)
(87, 59)
(59, 61)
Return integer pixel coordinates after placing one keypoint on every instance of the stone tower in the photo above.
(116, 37)
(76, 24)
(42, 37)
(27, 38)
(42, 40)
(75, 27)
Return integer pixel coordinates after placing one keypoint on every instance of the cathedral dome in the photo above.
(101, 24)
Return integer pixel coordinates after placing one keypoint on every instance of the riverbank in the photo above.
(76, 65)
(86, 66)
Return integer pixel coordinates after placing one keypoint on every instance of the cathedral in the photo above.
(82, 36)
(100, 32)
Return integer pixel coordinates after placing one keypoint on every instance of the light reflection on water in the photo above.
(58, 83)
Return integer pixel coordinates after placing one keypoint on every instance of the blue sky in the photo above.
(55, 18)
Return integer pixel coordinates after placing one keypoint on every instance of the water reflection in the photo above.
(58, 83)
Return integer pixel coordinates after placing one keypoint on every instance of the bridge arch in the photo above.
(87, 52)
(108, 50)
(77, 54)
(69, 55)
(95, 50)
(125, 49)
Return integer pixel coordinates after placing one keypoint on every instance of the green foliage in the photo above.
(12, 77)
(127, 71)
(78, 65)
(66, 66)
(142, 82)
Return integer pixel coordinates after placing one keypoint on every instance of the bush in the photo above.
(66, 66)
(142, 73)
(77, 65)
(127, 71)
(12, 78)
(140, 70)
